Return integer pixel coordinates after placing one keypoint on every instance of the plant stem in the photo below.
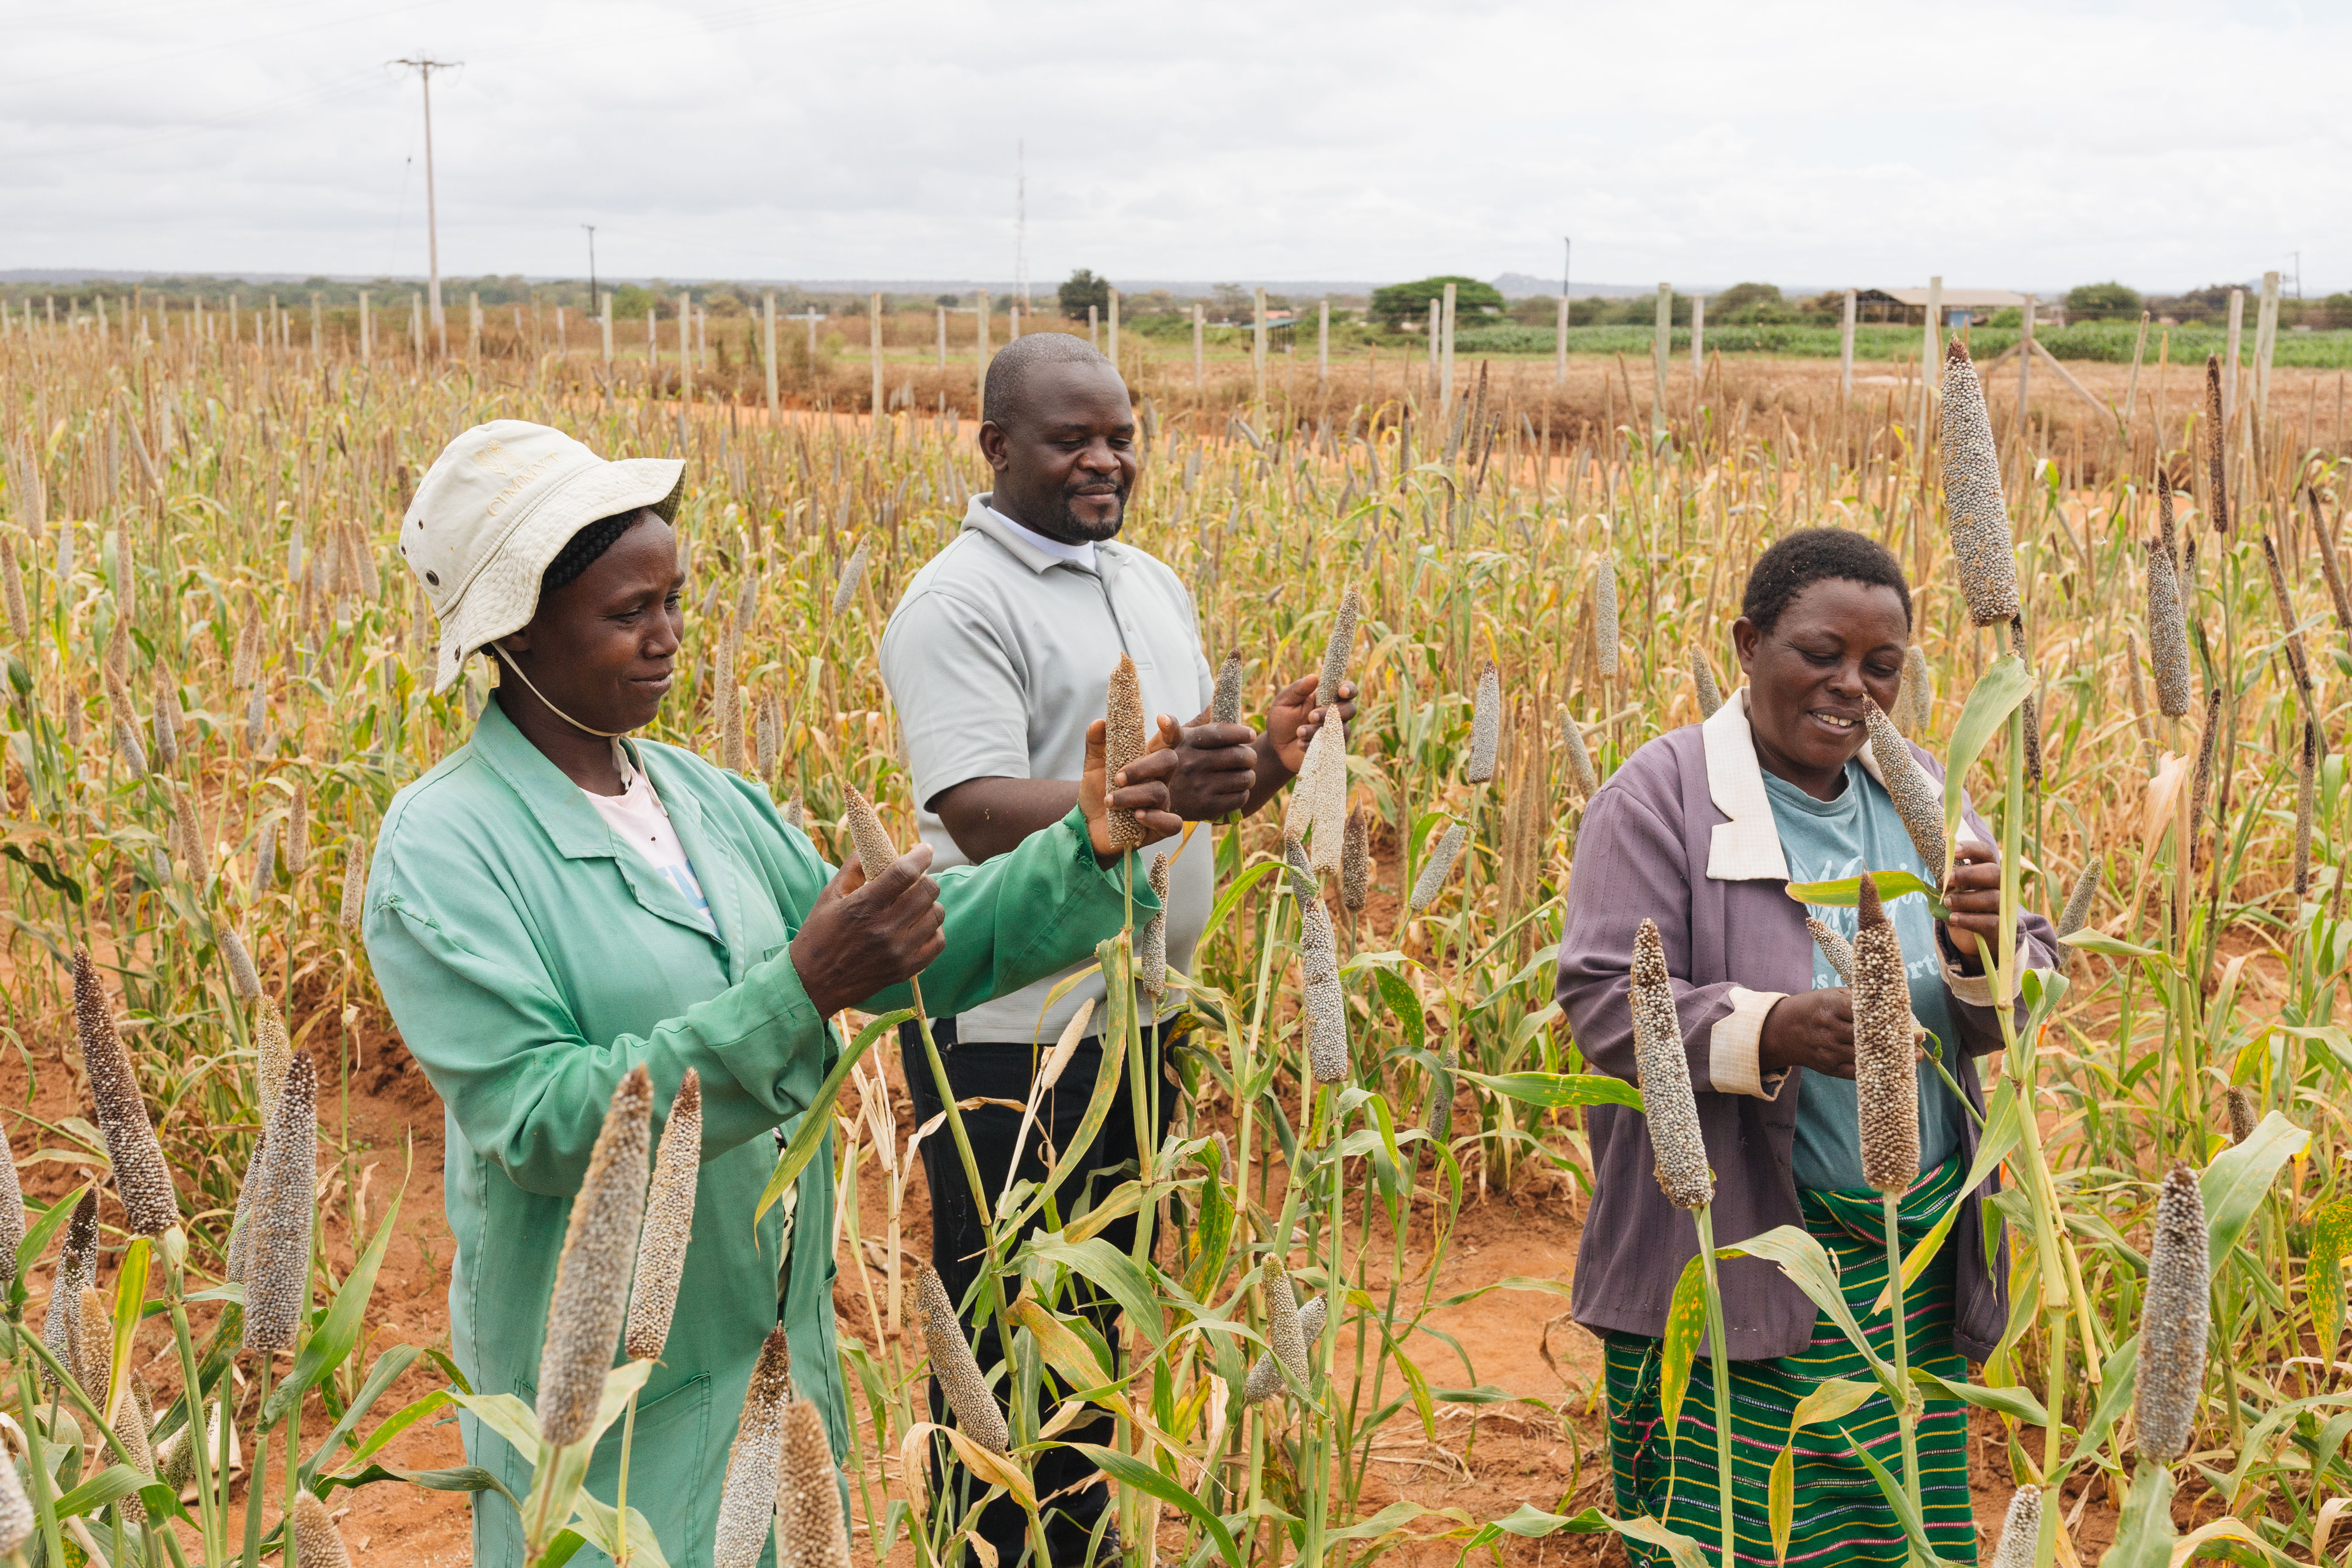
(1906, 1414)
(45, 1508)
(1719, 1360)
(258, 1487)
(620, 1493)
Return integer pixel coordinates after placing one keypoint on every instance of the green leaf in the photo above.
(1844, 892)
(130, 1296)
(332, 1339)
(1115, 1272)
(36, 1237)
(1998, 690)
(1398, 994)
(2014, 1403)
(1801, 1257)
(110, 1485)
(462, 1478)
(506, 1416)
(2144, 1534)
(1685, 1553)
(1831, 1399)
(1780, 1500)
(2117, 1381)
(386, 1371)
(604, 1530)
(1685, 1322)
(1211, 1239)
(2114, 947)
(2240, 1176)
(1552, 1091)
(1923, 1549)
(817, 1119)
(2323, 1279)
(2001, 1130)
(1129, 1471)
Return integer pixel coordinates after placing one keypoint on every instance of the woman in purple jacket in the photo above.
(1702, 830)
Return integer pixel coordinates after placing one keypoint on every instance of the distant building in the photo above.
(1962, 307)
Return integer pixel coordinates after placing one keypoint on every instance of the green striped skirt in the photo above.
(1669, 1473)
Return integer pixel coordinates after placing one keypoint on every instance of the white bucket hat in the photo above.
(496, 507)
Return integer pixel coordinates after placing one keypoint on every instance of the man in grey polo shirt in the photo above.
(997, 657)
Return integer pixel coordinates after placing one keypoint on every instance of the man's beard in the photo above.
(1073, 527)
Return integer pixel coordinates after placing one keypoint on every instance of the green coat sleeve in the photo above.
(476, 1006)
(1032, 911)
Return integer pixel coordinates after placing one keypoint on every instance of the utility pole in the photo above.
(1021, 220)
(591, 263)
(424, 68)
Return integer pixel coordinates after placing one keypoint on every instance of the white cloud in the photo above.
(1814, 142)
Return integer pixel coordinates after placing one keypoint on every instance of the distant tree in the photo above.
(1400, 304)
(1230, 302)
(1742, 297)
(1083, 289)
(2336, 310)
(1533, 310)
(2103, 301)
(949, 299)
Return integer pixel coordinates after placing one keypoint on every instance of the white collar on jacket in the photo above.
(1747, 848)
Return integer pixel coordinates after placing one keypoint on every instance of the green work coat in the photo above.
(531, 959)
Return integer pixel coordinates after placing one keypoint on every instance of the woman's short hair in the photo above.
(581, 551)
(1797, 561)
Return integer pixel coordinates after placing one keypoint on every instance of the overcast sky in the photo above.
(2031, 146)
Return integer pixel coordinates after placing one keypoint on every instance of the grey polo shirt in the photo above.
(997, 657)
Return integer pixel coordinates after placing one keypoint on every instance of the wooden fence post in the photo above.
(1846, 349)
(1660, 343)
(874, 344)
(768, 346)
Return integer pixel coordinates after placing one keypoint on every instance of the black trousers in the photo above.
(960, 1240)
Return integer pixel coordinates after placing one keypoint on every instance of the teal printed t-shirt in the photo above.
(1824, 840)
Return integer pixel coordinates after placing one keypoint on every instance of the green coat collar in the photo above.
(580, 833)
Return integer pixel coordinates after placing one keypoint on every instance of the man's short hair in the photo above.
(1798, 560)
(1005, 393)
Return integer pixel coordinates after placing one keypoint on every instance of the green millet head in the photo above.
(1886, 1072)
(2020, 1530)
(1834, 948)
(2168, 625)
(1485, 727)
(1286, 1334)
(1667, 1100)
(1579, 759)
(1124, 741)
(1327, 1004)
(1225, 706)
(2244, 1114)
(810, 1532)
(2174, 1319)
(1703, 683)
(1982, 549)
(141, 1178)
(870, 838)
(1918, 800)
(746, 1499)
(954, 1368)
(668, 1223)
(1355, 861)
(2077, 912)
(1336, 649)
(1265, 1379)
(278, 1257)
(591, 1275)
(1435, 870)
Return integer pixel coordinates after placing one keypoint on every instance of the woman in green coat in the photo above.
(554, 905)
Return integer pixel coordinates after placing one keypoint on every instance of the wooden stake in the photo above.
(686, 346)
(1846, 349)
(874, 344)
(1257, 347)
(605, 324)
(1113, 338)
(1093, 329)
(367, 342)
(2265, 344)
(2230, 354)
(768, 345)
(1661, 341)
(1446, 362)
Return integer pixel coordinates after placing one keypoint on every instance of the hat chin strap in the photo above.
(551, 708)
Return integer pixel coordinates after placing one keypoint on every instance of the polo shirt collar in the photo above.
(979, 517)
(1746, 846)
